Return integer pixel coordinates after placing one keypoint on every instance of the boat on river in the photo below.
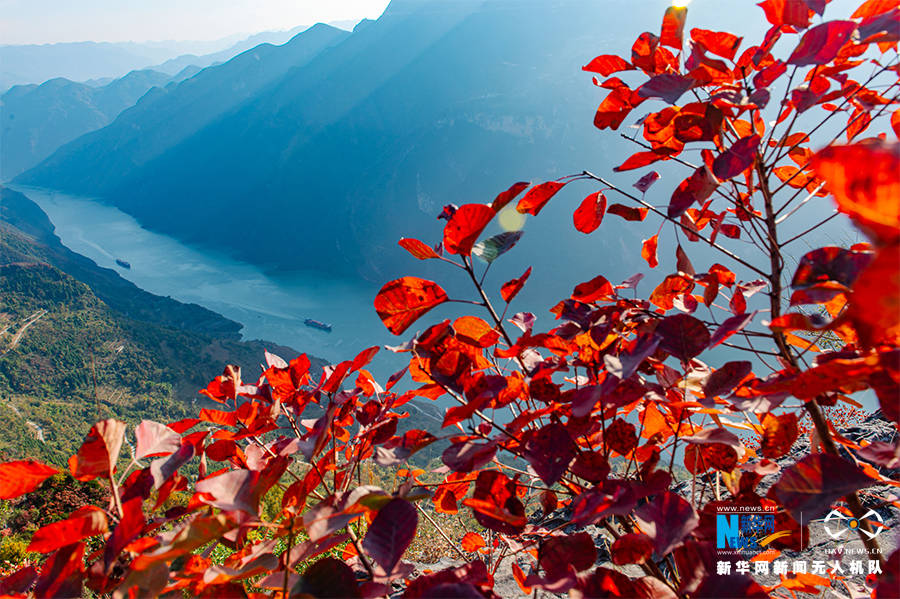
(318, 324)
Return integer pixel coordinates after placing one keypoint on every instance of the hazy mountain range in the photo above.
(101, 62)
(322, 152)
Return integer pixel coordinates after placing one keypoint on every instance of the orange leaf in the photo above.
(875, 299)
(779, 434)
(475, 331)
(648, 251)
(21, 477)
(538, 196)
(672, 32)
(863, 179)
(417, 248)
(402, 301)
(672, 286)
(472, 542)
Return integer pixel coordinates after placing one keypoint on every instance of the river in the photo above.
(271, 308)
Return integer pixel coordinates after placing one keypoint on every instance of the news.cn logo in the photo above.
(837, 523)
(744, 532)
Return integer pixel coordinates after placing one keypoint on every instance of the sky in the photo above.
(49, 21)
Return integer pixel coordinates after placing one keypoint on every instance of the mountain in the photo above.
(80, 61)
(434, 102)
(93, 62)
(35, 120)
(165, 117)
(78, 342)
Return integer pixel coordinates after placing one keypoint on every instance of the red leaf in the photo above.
(607, 64)
(669, 87)
(668, 520)
(472, 542)
(641, 159)
(620, 436)
(719, 43)
(648, 251)
(682, 336)
(811, 485)
(829, 264)
(683, 263)
(590, 213)
(328, 577)
(644, 183)
(822, 43)
(591, 466)
(628, 213)
(495, 504)
(363, 358)
(465, 226)
(155, 439)
(736, 159)
(510, 289)
(509, 195)
(234, 490)
(550, 450)
(779, 434)
(787, 12)
(538, 196)
(672, 31)
(402, 301)
(671, 287)
(871, 8)
(731, 326)
(557, 554)
(22, 476)
(591, 291)
(696, 188)
(99, 452)
(391, 533)
(632, 548)
(466, 456)
(417, 248)
(83, 523)
(616, 107)
(726, 378)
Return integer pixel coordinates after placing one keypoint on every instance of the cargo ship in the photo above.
(316, 324)
(122, 263)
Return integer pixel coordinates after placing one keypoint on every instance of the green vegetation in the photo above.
(70, 354)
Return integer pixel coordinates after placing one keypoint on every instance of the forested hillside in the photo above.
(74, 350)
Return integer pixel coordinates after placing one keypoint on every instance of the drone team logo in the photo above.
(837, 523)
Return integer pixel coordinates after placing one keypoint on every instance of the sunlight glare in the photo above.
(511, 219)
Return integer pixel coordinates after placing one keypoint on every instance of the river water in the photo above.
(269, 307)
